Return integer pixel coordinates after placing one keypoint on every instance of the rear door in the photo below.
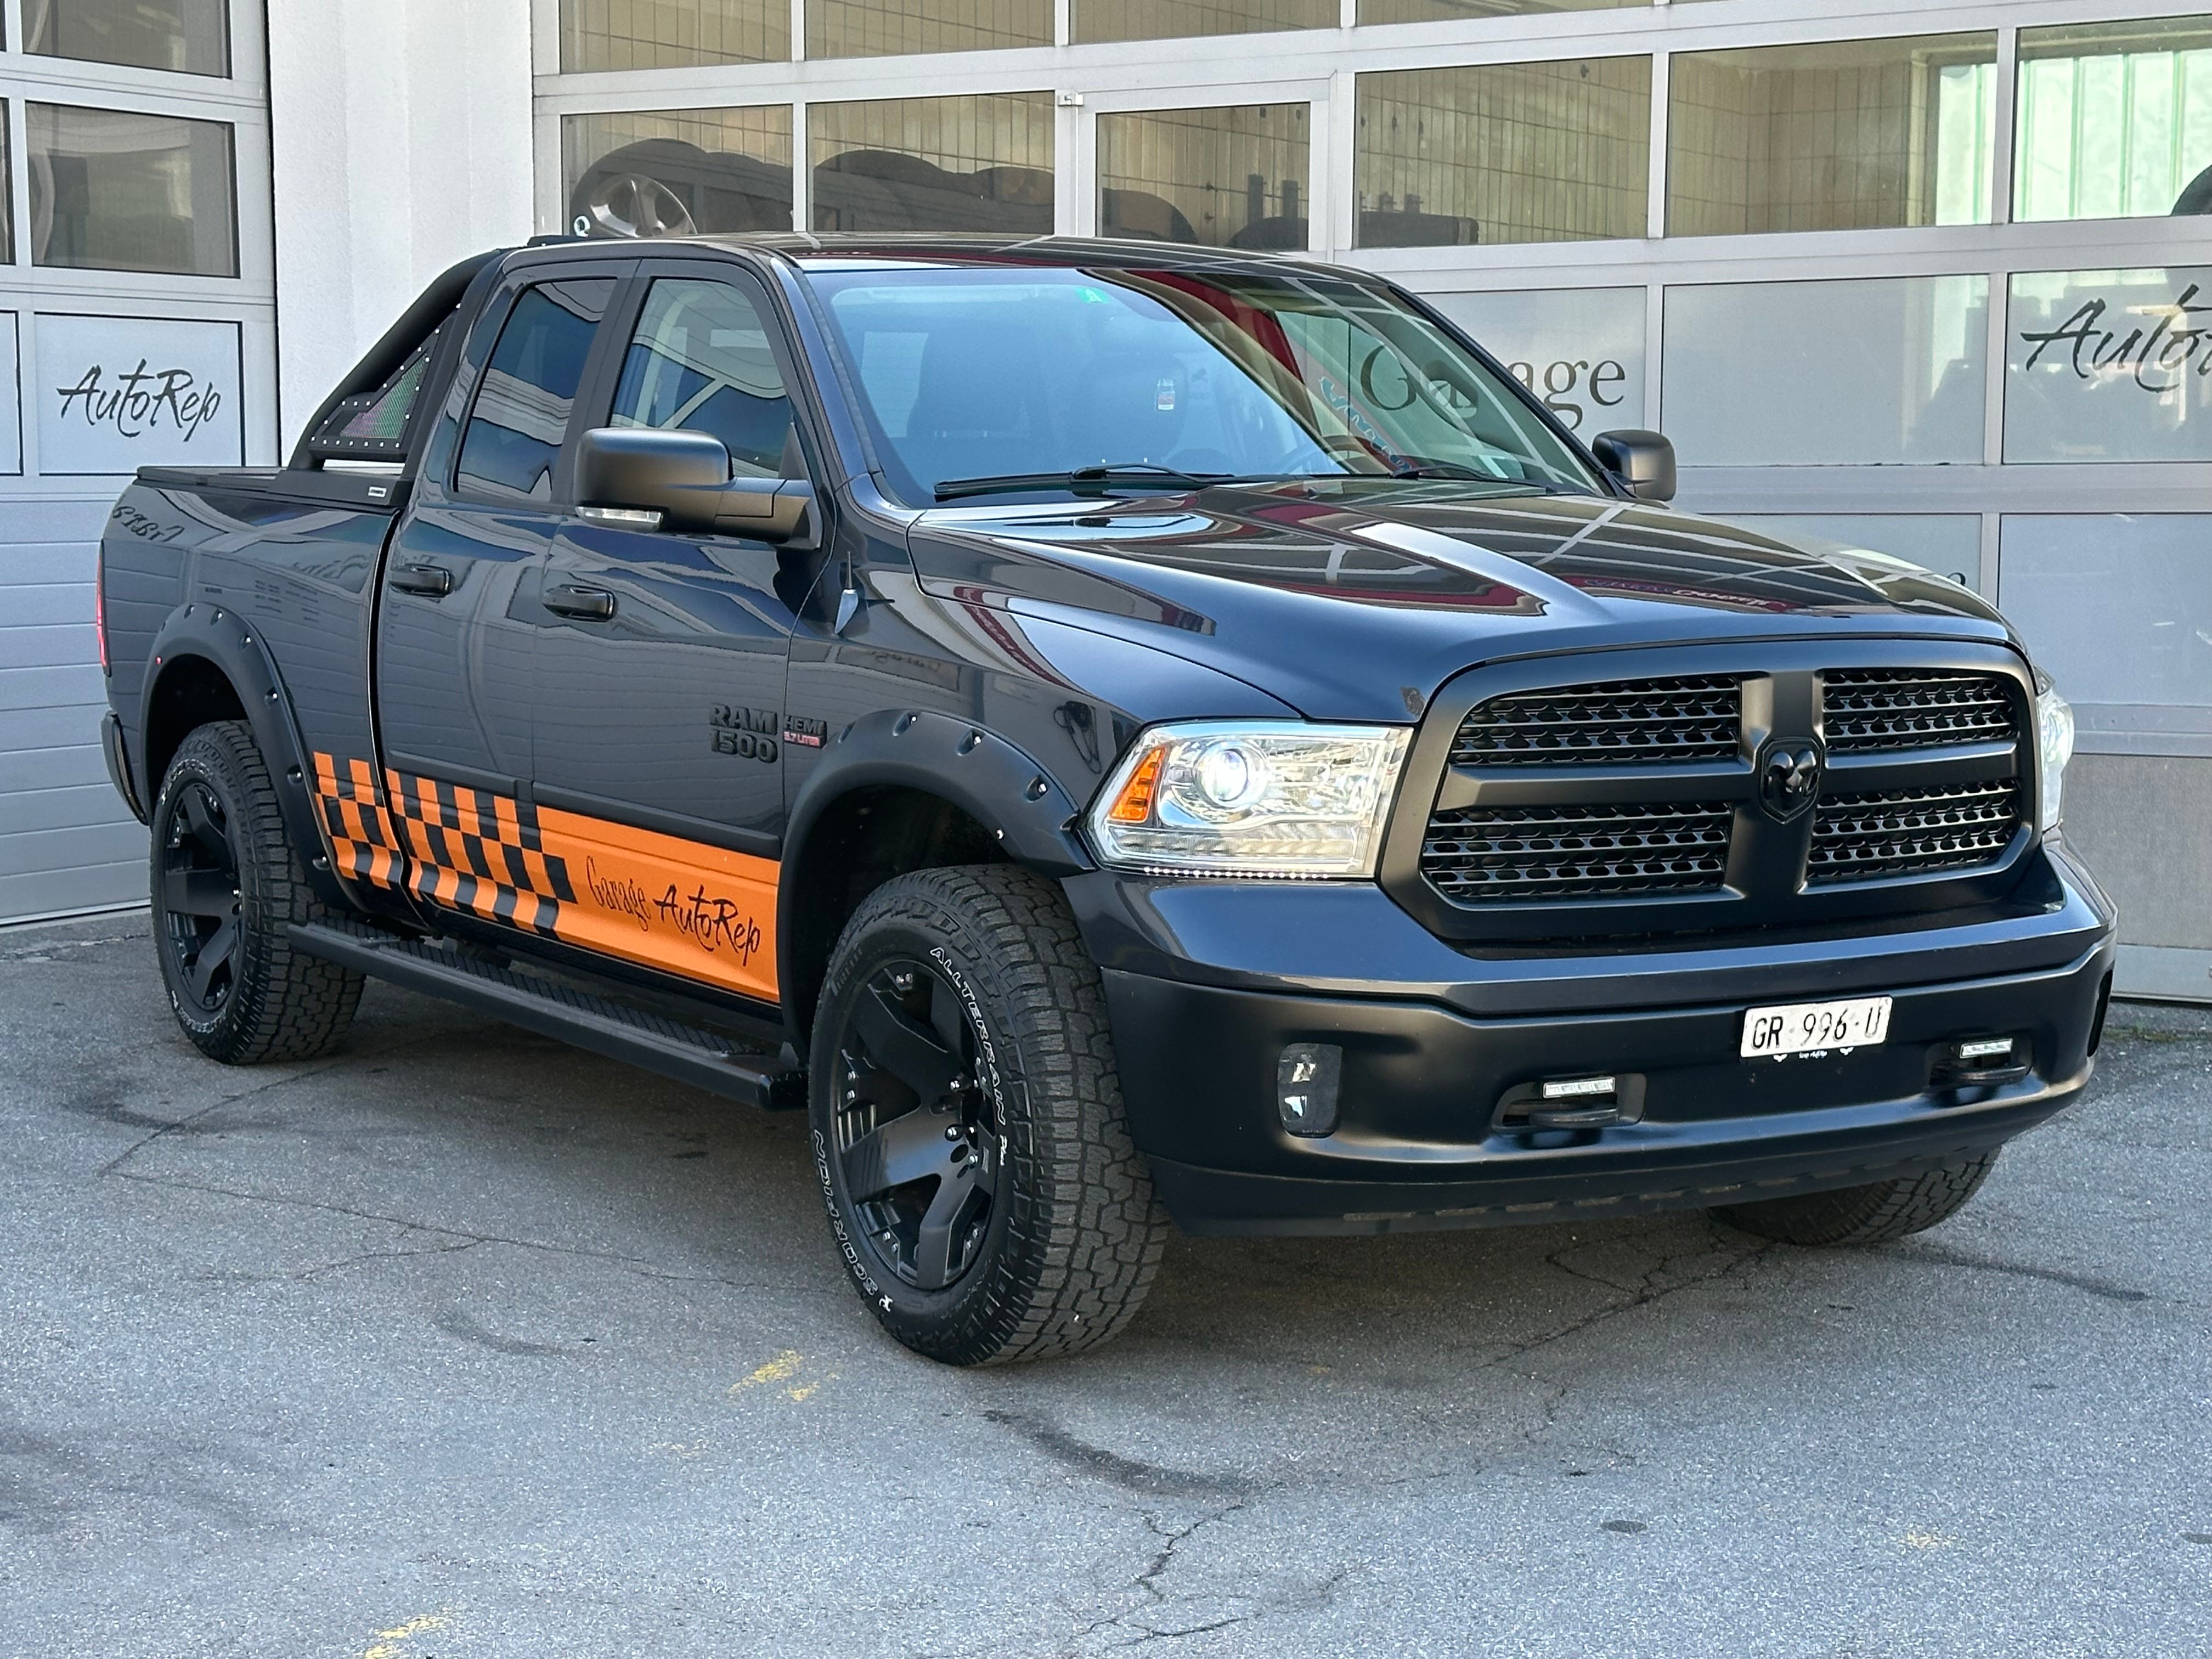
(460, 600)
(658, 744)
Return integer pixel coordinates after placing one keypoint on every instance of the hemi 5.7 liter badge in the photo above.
(807, 734)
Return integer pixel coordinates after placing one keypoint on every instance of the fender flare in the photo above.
(220, 636)
(990, 779)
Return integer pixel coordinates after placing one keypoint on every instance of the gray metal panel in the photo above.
(66, 842)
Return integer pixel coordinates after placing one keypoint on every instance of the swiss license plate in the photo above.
(1807, 1028)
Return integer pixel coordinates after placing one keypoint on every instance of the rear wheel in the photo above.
(967, 1122)
(227, 885)
(1872, 1214)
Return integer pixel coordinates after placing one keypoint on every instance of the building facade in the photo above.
(1935, 280)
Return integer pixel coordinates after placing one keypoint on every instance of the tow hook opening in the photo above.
(1591, 1102)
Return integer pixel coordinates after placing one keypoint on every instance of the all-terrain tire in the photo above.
(267, 1001)
(1072, 1235)
(1872, 1214)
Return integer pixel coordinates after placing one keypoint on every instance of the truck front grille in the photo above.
(1906, 832)
(1646, 803)
(1510, 855)
(1869, 710)
(1619, 723)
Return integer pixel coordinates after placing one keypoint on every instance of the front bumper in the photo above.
(1202, 1012)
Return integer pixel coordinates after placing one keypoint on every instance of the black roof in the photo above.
(803, 249)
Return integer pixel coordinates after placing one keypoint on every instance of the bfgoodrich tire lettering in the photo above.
(967, 1123)
(227, 885)
(1872, 1214)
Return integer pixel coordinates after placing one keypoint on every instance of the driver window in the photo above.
(701, 361)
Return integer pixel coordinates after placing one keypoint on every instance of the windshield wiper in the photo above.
(1082, 480)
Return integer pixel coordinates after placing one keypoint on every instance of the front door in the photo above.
(661, 657)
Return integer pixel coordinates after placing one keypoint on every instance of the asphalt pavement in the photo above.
(461, 1345)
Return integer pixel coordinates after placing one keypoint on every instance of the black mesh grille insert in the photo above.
(1871, 709)
(1516, 855)
(1906, 831)
(1623, 723)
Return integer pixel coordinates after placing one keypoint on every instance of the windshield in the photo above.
(1019, 378)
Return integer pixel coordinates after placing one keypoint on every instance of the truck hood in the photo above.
(1356, 601)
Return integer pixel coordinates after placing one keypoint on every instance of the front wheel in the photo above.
(967, 1122)
(227, 886)
(1877, 1213)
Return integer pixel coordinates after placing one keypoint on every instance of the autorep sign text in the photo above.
(2157, 356)
(142, 401)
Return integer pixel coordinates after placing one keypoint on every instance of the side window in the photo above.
(520, 418)
(701, 361)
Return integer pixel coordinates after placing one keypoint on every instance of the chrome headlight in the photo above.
(2054, 747)
(1260, 798)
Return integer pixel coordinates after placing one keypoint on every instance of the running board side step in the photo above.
(704, 1059)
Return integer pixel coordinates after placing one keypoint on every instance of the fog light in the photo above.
(1986, 1048)
(1306, 1079)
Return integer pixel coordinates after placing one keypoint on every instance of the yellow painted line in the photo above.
(390, 1644)
(781, 1369)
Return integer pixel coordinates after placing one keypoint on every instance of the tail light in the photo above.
(100, 611)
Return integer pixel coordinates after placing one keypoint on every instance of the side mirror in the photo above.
(1644, 461)
(643, 477)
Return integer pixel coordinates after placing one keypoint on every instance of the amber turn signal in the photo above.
(1134, 804)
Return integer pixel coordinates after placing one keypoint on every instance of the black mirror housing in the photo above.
(1644, 461)
(682, 480)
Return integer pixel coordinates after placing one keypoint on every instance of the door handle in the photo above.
(588, 603)
(433, 582)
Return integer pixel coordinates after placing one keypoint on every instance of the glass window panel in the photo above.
(111, 191)
(1227, 177)
(2118, 609)
(1852, 135)
(520, 416)
(1581, 350)
(1168, 20)
(189, 35)
(677, 173)
(1504, 153)
(700, 360)
(6, 193)
(625, 34)
(2115, 120)
(1950, 545)
(1885, 372)
(1429, 11)
(873, 28)
(2109, 366)
(981, 163)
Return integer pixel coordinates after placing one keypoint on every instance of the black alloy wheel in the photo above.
(977, 1171)
(917, 1137)
(203, 930)
(227, 884)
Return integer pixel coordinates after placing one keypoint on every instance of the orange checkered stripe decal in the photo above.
(680, 906)
(464, 848)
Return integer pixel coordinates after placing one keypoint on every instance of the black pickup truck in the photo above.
(1115, 733)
